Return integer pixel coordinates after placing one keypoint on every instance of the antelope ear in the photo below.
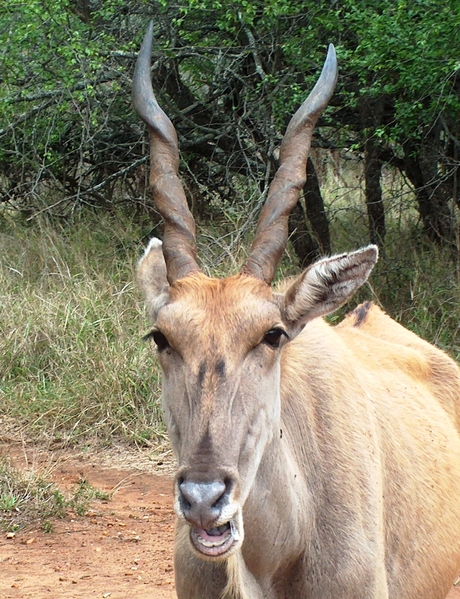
(327, 284)
(151, 278)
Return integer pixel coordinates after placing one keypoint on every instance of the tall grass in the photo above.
(72, 364)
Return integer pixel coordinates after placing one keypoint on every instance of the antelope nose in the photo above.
(201, 503)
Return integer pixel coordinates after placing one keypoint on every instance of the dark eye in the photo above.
(160, 340)
(273, 337)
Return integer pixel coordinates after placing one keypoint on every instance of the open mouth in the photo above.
(217, 541)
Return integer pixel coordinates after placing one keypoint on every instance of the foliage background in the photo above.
(229, 75)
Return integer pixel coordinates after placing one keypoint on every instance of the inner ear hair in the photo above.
(328, 284)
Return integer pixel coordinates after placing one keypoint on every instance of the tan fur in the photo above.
(234, 588)
(411, 353)
(343, 443)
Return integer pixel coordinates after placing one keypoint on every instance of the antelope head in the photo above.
(219, 341)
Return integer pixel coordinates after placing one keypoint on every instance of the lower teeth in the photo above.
(208, 544)
(212, 543)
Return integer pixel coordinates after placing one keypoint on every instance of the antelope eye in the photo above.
(273, 337)
(160, 340)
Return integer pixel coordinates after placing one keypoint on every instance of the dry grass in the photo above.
(73, 367)
(72, 362)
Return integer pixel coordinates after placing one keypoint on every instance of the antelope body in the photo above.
(314, 462)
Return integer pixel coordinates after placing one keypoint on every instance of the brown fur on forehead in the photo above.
(210, 291)
(241, 301)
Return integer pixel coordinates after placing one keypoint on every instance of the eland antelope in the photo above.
(314, 461)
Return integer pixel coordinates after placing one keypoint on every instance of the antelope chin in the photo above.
(217, 542)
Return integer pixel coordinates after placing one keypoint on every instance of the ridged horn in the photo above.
(272, 229)
(179, 245)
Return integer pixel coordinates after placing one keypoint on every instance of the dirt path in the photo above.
(122, 548)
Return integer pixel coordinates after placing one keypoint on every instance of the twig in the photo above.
(252, 44)
(23, 117)
(116, 175)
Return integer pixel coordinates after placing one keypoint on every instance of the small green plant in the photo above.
(29, 497)
(8, 502)
(82, 495)
(47, 526)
